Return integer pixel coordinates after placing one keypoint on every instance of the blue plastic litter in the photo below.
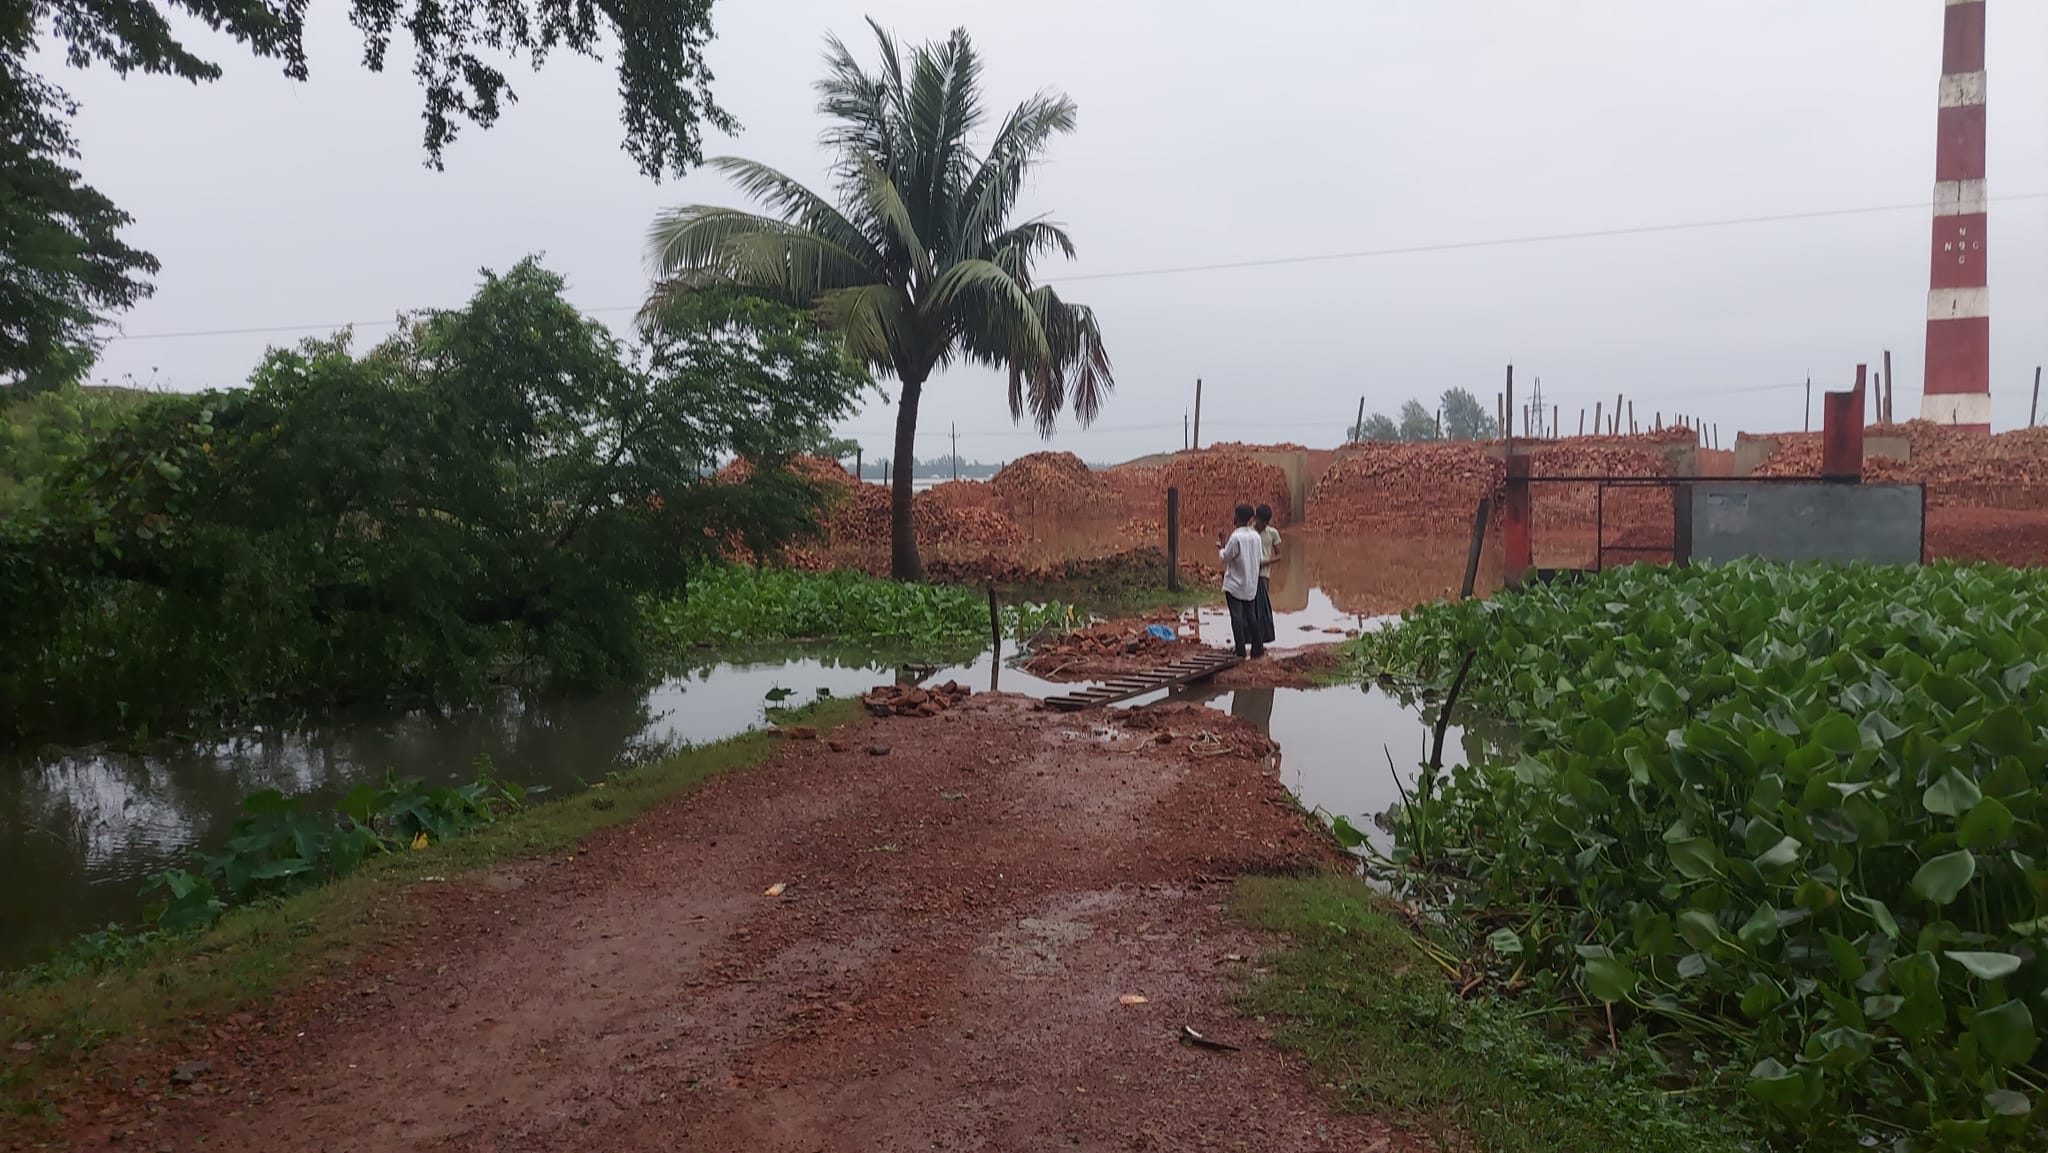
(1161, 631)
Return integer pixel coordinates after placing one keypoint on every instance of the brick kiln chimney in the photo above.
(1957, 387)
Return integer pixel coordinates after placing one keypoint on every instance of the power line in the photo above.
(1505, 241)
(1234, 265)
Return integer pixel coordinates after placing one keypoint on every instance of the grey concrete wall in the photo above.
(1880, 523)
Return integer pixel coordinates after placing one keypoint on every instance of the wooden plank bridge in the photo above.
(1201, 666)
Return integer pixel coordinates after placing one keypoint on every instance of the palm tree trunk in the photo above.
(904, 564)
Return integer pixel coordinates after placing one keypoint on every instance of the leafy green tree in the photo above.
(65, 262)
(42, 433)
(1465, 418)
(498, 485)
(59, 238)
(1378, 426)
(922, 262)
(1417, 422)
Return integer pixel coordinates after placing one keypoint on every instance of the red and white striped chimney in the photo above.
(1957, 387)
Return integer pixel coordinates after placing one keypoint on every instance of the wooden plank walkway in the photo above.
(1123, 688)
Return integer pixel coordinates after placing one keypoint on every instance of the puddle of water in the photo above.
(1335, 743)
(81, 831)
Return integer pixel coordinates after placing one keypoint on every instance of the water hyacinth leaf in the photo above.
(1882, 1005)
(1696, 857)
(1761, 998)
(1848, 962)
(1941, 878)
(2006, 1032)
(1881, 914)
(1505, 942)
(1838, 733)
(1762, 926)
(1773, 1084)
(1952, 795)
(1988, 823)
(1962, 1134)
(1700, 929)
(2006, 733)
(1692, 965)
(1779, 856)
(1345, 833)
(2007, 1103)
(1609, 980)
(1986, 966)
(1844, 1046)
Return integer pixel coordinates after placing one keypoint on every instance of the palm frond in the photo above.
(1018, 146)
(978, 293)
(865, 111)
(875, 320)
(699, 245)
(885, 205)
(1017, 248)
(789, 199)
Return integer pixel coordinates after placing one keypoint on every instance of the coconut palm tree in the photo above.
(921, 261)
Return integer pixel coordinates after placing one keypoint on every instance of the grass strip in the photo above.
(1377, 1021)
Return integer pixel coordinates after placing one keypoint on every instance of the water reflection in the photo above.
(80, 830)
(1336, 743)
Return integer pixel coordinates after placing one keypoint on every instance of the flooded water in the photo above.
(81, 830)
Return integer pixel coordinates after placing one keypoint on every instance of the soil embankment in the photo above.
(968, 901)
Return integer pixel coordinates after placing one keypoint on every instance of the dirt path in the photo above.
(942, 972)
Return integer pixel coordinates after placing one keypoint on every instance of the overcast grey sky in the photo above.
(1209, 133)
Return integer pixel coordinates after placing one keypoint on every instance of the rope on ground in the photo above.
(1208, 744)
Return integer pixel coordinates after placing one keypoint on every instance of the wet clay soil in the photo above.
(943, 970)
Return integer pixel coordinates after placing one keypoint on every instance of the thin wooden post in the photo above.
(2035, 409)
(1809, 402)
(1596, 418)
(1617, 414)
(1582, 421)
(995, 631)
(1358, 429)
(1173, 538)
(1509, 405)
(1198, 414)
(1631, 418)
(1500, 415)
(956, 451)
(856, 462)
(1554, 426)
(1478, 543)
(1888, 417)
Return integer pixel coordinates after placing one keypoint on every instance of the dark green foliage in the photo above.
(491, 489)
(64, 262)
(1465, 418)
(732, 606)
(41, 434)
(1791, 812)
(281, 846)
(67, 266)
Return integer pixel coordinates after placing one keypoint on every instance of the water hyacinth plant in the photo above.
(1789, 814)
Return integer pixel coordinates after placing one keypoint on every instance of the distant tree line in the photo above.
(937, 466)
(1459, 416)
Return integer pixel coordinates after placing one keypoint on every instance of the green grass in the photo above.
(731, 607)
(1388, 1036)
(258, 951)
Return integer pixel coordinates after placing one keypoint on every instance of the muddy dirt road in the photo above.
(943, 970)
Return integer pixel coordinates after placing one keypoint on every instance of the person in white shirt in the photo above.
(1240, 555)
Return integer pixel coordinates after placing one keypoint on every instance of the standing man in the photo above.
(1269, 551)
(1240, 556)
